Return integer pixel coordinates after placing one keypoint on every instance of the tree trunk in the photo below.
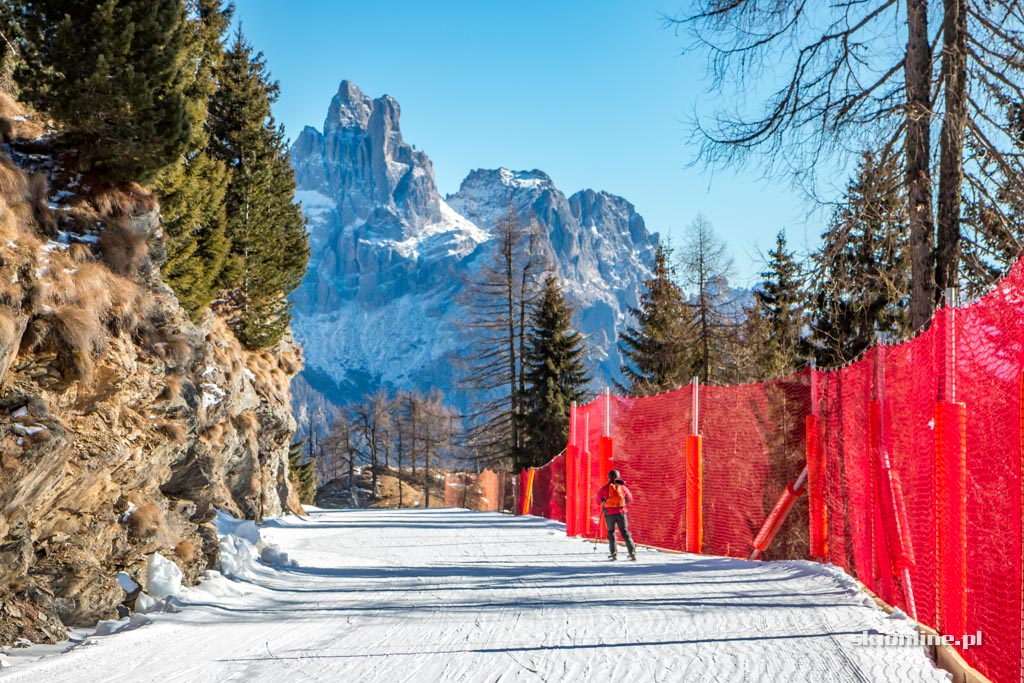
(426, 476)
(951, 164)
(399, 469)
(512, 379)
(917, 69)
(373, 472)
(705, 340)
(352, 474)
(704, 327)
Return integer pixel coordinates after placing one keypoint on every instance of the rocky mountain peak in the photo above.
(379, 305)
(604, 209)
(525, 179)
(361, 163)
(350, 108)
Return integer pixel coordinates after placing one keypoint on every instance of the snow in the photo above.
(112, 626)
(126, 582)
(27, 430)
(315, 204)
(242, 528)
(128, 512)
(163, 577)
(384, 348)
(144, 604)
(52, 245)
(452, 595)
(454, 236)
(212, 394)
(524, 179)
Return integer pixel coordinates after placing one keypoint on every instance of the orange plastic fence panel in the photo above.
(951, 515)
(775, 518)
(571, 491)
(582, 494)
(757, 434)
(694, 494)
(898, 551)
(588, 495)
(817, 508)
(490, 491)
(905, 559)
(883, 543)
(449, 491)
(528, 491)
(604, 454)
(520, 492)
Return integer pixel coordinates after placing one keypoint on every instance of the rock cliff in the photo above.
(123, 424)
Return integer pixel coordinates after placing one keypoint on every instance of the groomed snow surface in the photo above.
(452, 595)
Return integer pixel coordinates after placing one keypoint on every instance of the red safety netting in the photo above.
(547, 490)
(913, 456)
(484, 491)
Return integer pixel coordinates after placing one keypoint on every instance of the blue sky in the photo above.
(593, 92)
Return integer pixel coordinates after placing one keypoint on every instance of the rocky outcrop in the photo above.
(379, 306)
(361, 160)
(123, 424)
(596, 242)
(374, 209)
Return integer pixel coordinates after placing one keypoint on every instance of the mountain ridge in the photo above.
(378, 306)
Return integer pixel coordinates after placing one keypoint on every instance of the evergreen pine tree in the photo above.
(192, 206)
(992, 234)
(555, 376)
(269, 249)
(779, 304)
(112, 74)
(705, 265)
(993, 242)
(192, 192)
(302, 475)
(10, 34)
(862, 275)
(657, 348)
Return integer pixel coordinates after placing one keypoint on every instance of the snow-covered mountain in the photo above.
(378, 306)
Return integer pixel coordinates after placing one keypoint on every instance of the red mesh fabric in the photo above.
(485, 491)
(753, 447)
(548, 498)
(989, 362)
(917, 475)
(453, 485)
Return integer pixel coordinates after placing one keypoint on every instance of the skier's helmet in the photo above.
(613, 475)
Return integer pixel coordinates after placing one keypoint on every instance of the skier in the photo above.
(614, 496)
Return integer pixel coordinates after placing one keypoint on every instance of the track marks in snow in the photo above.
(450, 595)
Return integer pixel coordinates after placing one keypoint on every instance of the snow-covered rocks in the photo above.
(127, 583)
(163, 577)
(241, 548)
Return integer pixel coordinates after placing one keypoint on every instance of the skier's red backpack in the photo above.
(615, 498)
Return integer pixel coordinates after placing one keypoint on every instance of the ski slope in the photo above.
(452, 595)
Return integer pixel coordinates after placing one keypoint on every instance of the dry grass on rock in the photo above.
(145, 522)
(122, 248)
(185, 551)
(175, 432)
(17, 122)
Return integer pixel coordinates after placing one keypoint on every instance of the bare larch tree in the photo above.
(497, 301)
(895, 77)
